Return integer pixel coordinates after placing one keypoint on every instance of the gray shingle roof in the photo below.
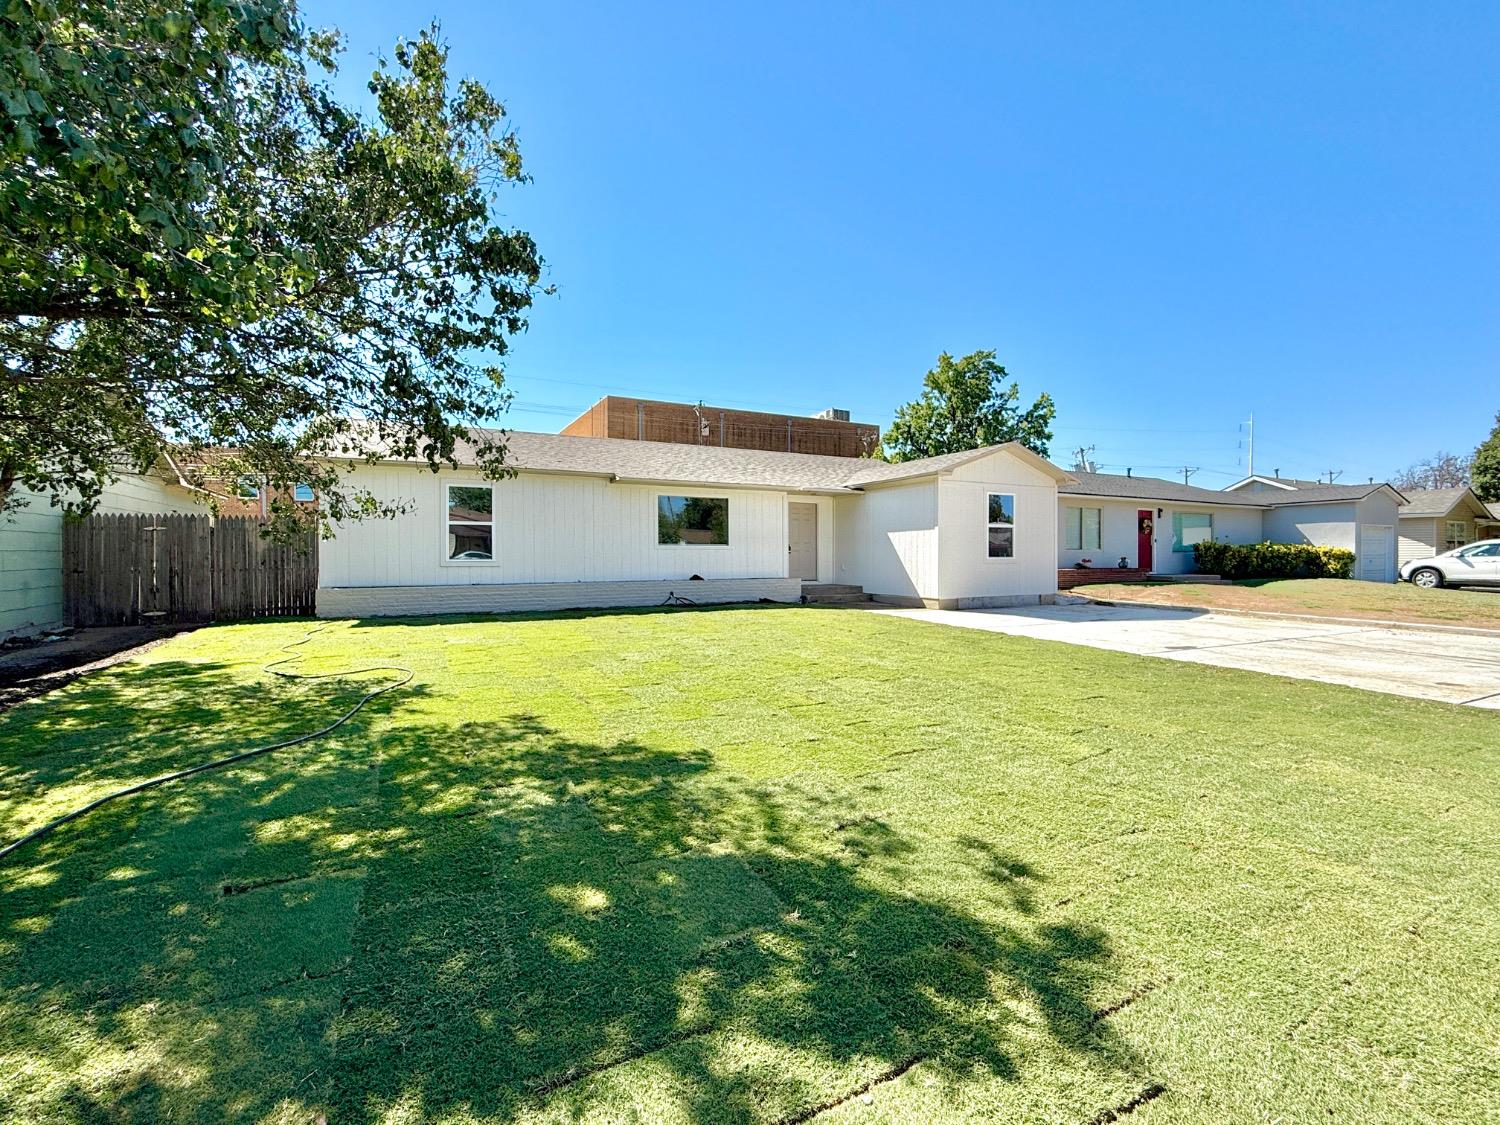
(1112, 485)
(625, 459)
(1326, 493)
(1431, 502)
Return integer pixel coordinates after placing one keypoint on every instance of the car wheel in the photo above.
(1427, 578)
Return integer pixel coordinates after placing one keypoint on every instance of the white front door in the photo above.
(802, 541)
(1374, 553)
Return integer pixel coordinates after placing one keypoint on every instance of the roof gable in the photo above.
(1435, 503)
(1273, 482)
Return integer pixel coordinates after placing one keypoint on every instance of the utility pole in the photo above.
(1187, 471)
(1334, 474)
(1082, 459)
(1250, 457)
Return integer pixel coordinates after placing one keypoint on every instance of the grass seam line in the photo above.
(1140, 992)
(1126, 1108)
(542, 1087)
(890, 1074)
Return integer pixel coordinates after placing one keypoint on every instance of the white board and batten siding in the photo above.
(559, 541)
(887, 540)
(969, 577)
(927, 541)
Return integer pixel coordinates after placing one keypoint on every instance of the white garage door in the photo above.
(1373, 563)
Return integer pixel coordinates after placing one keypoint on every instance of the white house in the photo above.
(610, 522)
(1152, 524)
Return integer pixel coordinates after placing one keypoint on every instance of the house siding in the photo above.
(30, 567)
(1418, 539)
(1322, 525)
(967, 575)
(887, 540)
(548, 528)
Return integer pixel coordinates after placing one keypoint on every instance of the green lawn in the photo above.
(1328, 597)
(748, 865)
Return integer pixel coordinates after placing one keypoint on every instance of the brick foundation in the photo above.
(1083, 576)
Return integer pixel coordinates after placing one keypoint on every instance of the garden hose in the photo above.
(274, 669)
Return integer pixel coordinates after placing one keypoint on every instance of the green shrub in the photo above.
(1273, 560)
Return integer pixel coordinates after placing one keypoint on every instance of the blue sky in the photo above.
(1167, 215)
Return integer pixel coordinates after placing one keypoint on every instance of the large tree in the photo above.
(967, 403)
(1442, 470)
(200, 245)
(1485, 469)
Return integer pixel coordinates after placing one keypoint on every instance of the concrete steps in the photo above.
(833, 593)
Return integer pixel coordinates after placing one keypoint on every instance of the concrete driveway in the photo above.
(1452, 667)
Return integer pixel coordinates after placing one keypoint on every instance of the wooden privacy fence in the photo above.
(145, 569)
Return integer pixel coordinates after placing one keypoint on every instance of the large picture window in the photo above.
(1002, 525)
(1081, 529)
(1189, 528)
(471, 523)
(694, 521)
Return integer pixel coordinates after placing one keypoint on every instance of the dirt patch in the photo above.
(30, 670)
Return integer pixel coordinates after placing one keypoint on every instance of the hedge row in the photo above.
(1273, 560)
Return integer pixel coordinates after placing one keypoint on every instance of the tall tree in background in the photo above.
(199, 244)
(967, 403)
(1486, 466)
(1443, 470)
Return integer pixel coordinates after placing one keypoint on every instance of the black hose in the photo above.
(203, 767)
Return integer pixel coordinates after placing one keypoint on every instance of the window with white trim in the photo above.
(1081, 529)
(303, 493)
(1002, 525)
(1456, 533)
(471, 523)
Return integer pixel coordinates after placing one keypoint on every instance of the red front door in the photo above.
(1143, 538)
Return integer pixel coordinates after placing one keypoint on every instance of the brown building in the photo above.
(237, 496)
(829, 433)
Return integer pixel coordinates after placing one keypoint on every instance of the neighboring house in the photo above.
(610, 522)
(1152, 523)
(1440, 519)
(31, 581)
(829, 433)
(238, 496)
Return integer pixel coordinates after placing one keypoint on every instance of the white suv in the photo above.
(1477, 564)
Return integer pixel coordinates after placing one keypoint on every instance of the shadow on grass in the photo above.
(484, 917)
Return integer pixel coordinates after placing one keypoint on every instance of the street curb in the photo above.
(1367, 622)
